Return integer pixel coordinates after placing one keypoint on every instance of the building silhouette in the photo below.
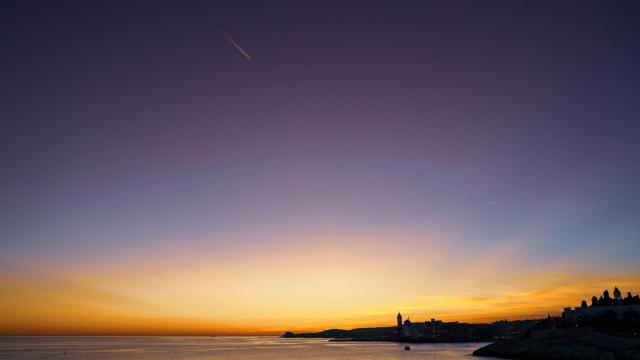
(603, 305)
(617, 295)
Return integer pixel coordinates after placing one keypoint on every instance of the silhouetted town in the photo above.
(431, 330)
(603, 305)
(439, 331)
(607, 329)
(616, 316)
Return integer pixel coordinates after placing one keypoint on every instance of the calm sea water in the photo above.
(211, 348)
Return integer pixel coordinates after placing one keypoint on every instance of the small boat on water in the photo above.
(407, 347)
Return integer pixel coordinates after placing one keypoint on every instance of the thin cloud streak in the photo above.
(246, 55)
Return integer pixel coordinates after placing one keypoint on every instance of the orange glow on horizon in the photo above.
(299, 287)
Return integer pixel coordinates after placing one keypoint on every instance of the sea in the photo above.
(228, 348)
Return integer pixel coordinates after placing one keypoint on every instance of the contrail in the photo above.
(238, 47)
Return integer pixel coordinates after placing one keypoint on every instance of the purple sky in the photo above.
(133, 125)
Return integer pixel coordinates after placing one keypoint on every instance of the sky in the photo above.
(246, 167)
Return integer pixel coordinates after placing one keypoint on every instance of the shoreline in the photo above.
(406, 341)
(565, 344)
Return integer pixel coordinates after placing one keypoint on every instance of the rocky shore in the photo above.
(565, 344)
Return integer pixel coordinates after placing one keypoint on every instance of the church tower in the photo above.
(399, 320)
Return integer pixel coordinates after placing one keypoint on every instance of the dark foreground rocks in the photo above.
(569, 344)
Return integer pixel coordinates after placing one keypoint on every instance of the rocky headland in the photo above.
(565, 344)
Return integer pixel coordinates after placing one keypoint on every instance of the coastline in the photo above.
(564, 344)
(411, 341)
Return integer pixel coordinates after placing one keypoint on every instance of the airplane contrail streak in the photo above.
(238, 47)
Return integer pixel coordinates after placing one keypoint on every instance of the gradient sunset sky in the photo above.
(464, 160)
